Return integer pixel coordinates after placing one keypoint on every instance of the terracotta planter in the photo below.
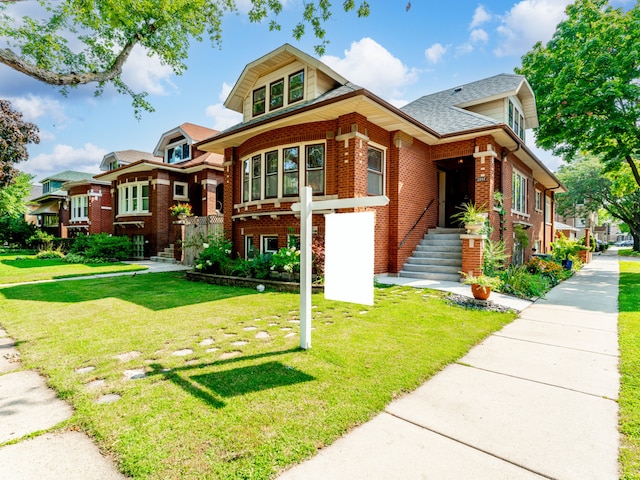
(480, 293)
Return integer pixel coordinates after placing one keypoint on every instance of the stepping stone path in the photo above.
(206, 341)
(240, 343)
(228, 355)
(211, 350)
(125, 357)
(262, 335)
(109, 398)
(134, 374)
(289, 335)
(182, 353)
(82, 370)
(96, 384)
(249, 329)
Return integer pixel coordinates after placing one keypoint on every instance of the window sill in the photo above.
(520, 214)
(134, 214)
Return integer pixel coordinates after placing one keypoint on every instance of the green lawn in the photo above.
(205, 415)
(628, 252)
(27, 268)
(629, 324)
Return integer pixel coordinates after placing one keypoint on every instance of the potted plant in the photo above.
(472, 216)
(481, 285)
(180, 210)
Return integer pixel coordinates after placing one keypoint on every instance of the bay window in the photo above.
(291, 162)
(256, 175)
(315, 167)
(133, 198)
(79, 207)
(271, 174)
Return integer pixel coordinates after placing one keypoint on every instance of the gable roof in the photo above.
(68, 176)
(124, 157)
(268, 63)
(192, 132)
(446, 112)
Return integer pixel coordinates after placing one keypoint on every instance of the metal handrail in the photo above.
(415, 224)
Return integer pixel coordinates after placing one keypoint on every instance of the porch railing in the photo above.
(406, 237)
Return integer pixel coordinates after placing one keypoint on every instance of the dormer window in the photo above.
(178, 153)
(515, 118)
(281, 92)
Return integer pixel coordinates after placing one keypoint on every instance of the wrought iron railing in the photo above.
(406, 237)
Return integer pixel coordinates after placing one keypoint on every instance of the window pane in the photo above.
(510, 114)
(245, 181)
(271, 162)
(375, 160)
(256, 165)
(290, 186)
(134, 198)
(271, 186)
(315, 156)
(186, 151)
(315, 180)
(269, 244)
(271, 174)
(277, 95)
(291, 159)
(259, 100)
(374, 183)
(296, 87)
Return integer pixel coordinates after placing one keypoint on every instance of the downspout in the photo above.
(544, 214)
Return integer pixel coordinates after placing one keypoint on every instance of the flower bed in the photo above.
(278, 286)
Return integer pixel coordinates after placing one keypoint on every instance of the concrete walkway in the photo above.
(536, 400)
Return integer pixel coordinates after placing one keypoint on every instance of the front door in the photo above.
(456, 182)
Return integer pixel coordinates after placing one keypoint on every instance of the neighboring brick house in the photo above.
(89, 208)
(304, 124)
(53, 209)
(144, 188)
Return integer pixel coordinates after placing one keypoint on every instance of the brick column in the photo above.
(472, 252)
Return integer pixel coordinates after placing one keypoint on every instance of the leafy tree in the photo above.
(592, 188)
(586, 81)
(15, 135)
(13, 197)
(84, 41)
(15, 230)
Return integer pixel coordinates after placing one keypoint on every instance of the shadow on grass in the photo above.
(157, 291)
(233, 382)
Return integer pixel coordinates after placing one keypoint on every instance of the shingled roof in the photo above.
(445, 111)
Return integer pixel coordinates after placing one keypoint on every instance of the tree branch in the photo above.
(12, 60)
(634, 168)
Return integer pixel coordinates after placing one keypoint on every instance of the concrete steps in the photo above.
(166, 256)
(438, 256)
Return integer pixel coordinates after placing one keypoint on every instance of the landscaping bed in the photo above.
(276, 285)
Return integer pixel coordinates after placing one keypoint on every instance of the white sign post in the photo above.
(306, 207)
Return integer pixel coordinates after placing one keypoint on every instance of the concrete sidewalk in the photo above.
(535, 400)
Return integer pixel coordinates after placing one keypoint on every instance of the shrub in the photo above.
(260, 266)
(550, 270)
(495, 257)
(517, 281)
(41, 240)
(287, 259)
(216, 256)
(49, 254)
(565, 249)
(102, 246)
(317, 252)
(15, 231)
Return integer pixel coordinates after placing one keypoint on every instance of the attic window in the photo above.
(259, 97)
(276, 91)
(178, 153)
(296, 86)
(515, 118)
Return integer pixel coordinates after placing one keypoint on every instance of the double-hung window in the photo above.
(246, 179)
(315, 167)
(296, 86)
(259, 101)
(291, 165)
(538, 200)
(515, 118)
(519, 193)
(269, 244)
(133, 198)
(79, 207)
(256, 175)
(178, 153)
(271, 174)
(276, 94)
(375, 171)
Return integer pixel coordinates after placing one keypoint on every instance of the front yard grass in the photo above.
(20, 268)
(629, 326)
(226, 392)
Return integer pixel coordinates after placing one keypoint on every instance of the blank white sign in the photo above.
(348, 262)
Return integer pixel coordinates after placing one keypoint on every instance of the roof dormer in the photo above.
(176, 145)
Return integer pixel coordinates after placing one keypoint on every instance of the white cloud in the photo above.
(479, 36)
(528, 22)
(464, 49)
(480, 16)
(372, 66)
(144, 73)
(223, 118)
(65, 157)
(34, 107)
(435, 52)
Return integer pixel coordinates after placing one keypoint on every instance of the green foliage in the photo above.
(586, 84)
(550, 270)
(40, 239)
(495, 257)
(521, 236)
(470, 213)
(286, 259)
(49, 254)
(260, 266)
(481, 280)
(102, 246)
(216, 256)
(565, 248)
(15, 230)
(14, 195)
(518, 281)
(76, 42)
(15, 135)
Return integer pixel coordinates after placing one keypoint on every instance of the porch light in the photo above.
(460, 161)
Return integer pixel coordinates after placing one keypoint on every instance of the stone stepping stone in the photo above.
(82, 370)
(228, 355)
(206, 341)
(182, 353)
(289, 335)
(286, 329)
(240, 343)
(249, 329)
(108, 398)
(125, 357)
(211, 350)
(297, 322)
(262, 335)
(96, 384)
(227, 335)
(134, 374)
(272, 324)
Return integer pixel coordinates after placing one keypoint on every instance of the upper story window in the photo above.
(375, 171)
(178, 153)
(79, 207)
(278, 93)
(133, 198)
(519, 193)
(538, 200)
(113, 165)
(515, 118)
(51, 186)
(278, 173)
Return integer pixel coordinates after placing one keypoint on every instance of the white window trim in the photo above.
(539, 206)
(262, 243)
(279, 75)
(548, 204)
(302, 174)
(186, 189)
(84, 200)
(526, 182)
(121, 198)
(384, 167)
(248, 240)
(517, 110)
(173, 145)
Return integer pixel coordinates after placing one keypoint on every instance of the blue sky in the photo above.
(397, 53)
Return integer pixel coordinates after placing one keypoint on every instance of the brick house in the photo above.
(52, 211)
(144, 185)
(88, 208)
(304, 124)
